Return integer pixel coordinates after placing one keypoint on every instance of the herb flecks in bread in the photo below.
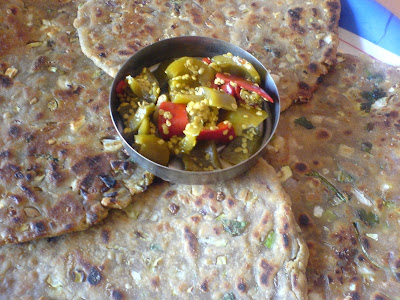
(342, 174)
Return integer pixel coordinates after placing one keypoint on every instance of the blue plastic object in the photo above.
(373, 22)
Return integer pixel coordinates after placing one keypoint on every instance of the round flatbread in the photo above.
(296, 41)
(338, 157)
(234, 240)
(61, 165)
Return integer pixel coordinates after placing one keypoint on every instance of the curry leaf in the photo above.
(329, 185)
(233, 227)
(367, 147)
(302, 121)
(369, 218)
(371, 97)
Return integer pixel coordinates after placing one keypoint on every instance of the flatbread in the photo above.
(296, 40)
(353, 143)
(170, 243)
(61, 165)
(12, 26)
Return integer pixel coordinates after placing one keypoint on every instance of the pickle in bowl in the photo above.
(194, 109)
(195, 113)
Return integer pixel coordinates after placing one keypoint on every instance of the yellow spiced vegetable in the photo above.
(206, 111)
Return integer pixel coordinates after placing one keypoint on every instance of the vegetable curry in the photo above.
(203, 114)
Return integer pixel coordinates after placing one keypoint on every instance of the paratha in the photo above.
(296, 40)
(338, 157)
(61, 166)
(232, 240)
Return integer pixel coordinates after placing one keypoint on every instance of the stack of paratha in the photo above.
(62, 169)
(338, 157)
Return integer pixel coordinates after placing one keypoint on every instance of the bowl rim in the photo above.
(192, 45)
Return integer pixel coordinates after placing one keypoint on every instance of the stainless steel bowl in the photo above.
(194, 46)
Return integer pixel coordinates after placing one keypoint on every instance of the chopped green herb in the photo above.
(328, 216)
(177, 4)
(367, 147)
(302, 121)
(345, 177)
(355, 224)
(47, 156)
(131, 212)
(377, 77)
(389, 204)
(366, 106)
(97, 74)
(369, 218)
(233, 227)
(220, 217)
(229, 296)
(270, 239)
(29, 138)
(371, 97)
(274, 52)
(155, 247)
(370, 126)
(329, 185)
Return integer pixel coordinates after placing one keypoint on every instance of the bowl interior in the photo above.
(193, 46)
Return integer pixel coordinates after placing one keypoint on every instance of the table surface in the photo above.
(373, 21)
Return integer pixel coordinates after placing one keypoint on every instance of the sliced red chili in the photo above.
(179, 119)
(232, 90)
(246, 84)
(121, 87)
(207, 60)
(225, 133)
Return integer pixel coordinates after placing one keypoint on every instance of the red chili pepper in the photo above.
(120, 87)
(178, 121)
(220, 135)
(207, 60)
(214, 85)
(232, 90)
(246, 84)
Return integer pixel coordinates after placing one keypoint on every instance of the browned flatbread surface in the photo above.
(349, 209)
(61, 166)
(296, 41)
(172, 242)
